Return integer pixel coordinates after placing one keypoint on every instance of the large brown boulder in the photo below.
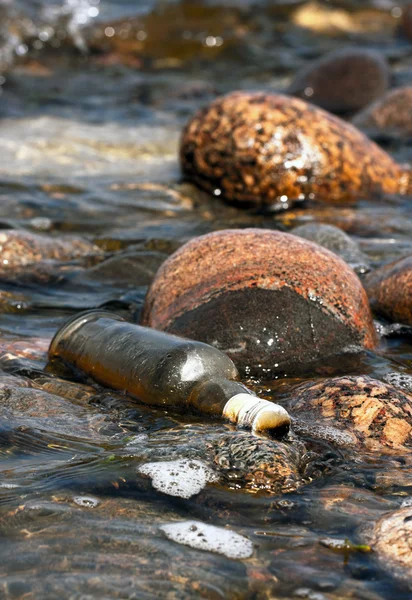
(272, 150)
(273, 301)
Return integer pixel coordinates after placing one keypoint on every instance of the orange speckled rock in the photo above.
(392, 542)
(272, 301)
(273, 150)
(390, 114)
(19, 248)
(344, 80)
(390, 290)
(379, 414)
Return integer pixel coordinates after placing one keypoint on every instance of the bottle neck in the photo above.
(236, 403)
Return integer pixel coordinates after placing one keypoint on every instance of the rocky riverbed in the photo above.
(102, 497)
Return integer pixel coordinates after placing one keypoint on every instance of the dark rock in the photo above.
(337, 241)
(344, 80)
(390, 115)
(272, 301)
(272, 150)
(390, 290)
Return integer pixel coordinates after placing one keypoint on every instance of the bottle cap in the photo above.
(74, 323)
(247, 410)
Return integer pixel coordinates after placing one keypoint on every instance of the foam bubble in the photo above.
(407, 502)
(400, 380)
(183, 478)
(86, 501)
(208, 537)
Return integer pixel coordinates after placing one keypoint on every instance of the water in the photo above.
(94, 97)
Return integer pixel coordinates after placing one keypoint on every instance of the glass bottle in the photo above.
(161, 369)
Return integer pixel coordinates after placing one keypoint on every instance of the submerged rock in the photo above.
(272, 150)
(344, 80)
(391, 114)
(378, 414)
(390, 290)
(272, 301)
(337, 241)
(19, 248)
(391, 539)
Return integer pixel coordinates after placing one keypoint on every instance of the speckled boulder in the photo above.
(392, 542)
(344, 80)
(272, 150)
(378, 414)
(390, 290)
(391, 114)
(272, 301)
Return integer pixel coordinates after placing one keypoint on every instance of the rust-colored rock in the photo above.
(272, 301)
(272, 150)
(392, 542)
(344, 80)
(390, 290)
(19, 248)
(391, 114)
(377, 413)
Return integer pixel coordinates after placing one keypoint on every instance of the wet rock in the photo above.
(272, 150)
(244, 460)
(390, 115)
(19, 248)
(378, 414)
(344, 80)
(272, 301)
(390, 290)
(337, 241)
(406, 25)
(392, 542)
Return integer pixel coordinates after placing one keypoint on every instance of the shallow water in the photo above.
(90, 123)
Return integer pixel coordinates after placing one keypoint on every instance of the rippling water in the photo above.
(94, 95)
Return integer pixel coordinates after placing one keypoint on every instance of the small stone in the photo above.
(389, 115)
(344, 80)
(271, 150)
(19, 248)
(337, 241)
(377, 413)
(272, 301)
(390, 290)
(392, 542)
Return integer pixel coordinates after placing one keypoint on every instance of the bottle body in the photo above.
(157, 368)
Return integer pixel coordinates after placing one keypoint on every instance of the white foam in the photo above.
(400, 380)
(208, 537)
(407, 502)
(183, 478)
(86, 501)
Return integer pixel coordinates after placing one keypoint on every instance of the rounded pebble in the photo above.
(390, 290)
(272, 301)
(271, 150)
(392, 542)
(337, 241)
(203, 536)
(391, 114)
(377, 413)
(19, 248)
(344, 80)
